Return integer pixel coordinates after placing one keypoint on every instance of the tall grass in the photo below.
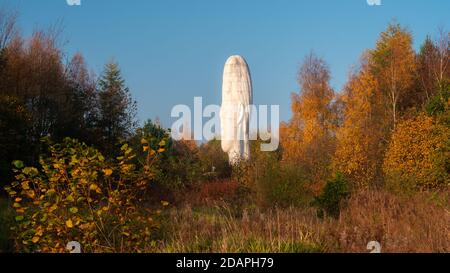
(218, 230)
(401, 224)
(418, 224)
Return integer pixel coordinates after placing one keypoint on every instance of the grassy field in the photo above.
(418, 224)
(414, 224)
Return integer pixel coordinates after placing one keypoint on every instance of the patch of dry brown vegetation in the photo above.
(416, 224)
(401, 224)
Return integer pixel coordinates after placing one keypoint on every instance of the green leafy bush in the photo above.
(438, 104)
(177, 168)
(334, 194)
(76, 195)
(282, 185)
(213, 161)
(273, 183)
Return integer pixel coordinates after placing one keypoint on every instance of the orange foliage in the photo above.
(360, 148)
(307, 139)
(211, 192)
(218, 190)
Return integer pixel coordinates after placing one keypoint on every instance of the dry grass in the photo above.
(218, 230)
(401, 224)
(418, 224)
(208, 193)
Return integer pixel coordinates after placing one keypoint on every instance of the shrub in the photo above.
(439, 103)
(214, 162)
(418, 155)
(271, 182)
(334, 194)
(180, 167)
(76, 195)
(177, 169)
(13, 127)
(224, 190)
(282, 185)
(6, 219)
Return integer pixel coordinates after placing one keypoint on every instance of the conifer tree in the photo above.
(117, 110)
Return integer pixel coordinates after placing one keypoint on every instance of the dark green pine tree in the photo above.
(117, 109)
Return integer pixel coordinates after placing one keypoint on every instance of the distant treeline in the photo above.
(42, 95)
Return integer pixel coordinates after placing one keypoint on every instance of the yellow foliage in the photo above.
(69, 223)
(359, 152)
(393, 62)
(308, 139)
(108, 172)
(67, 200)
(418, 154)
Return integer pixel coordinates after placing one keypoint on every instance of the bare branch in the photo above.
(8, 29)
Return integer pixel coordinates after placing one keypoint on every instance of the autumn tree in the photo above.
(433, 66)
(8, 29)
(35, 74)
(441, 69)
(7, 33)
(434, 74)
(79, 110)
(33, 84)
(40, 95)
(362, 137)
(393, 65)
(117, 110)
(12, 113)
(308, 138)
(418, 156)
(426, 60)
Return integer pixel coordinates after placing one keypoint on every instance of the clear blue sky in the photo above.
(173, 50)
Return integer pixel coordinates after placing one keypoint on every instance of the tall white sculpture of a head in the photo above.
(237, 96)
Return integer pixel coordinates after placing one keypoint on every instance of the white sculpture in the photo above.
(237, 96)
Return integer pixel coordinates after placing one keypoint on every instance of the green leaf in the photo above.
(124, 147)
(18, 164)
(73, 210)
(44, 218)
(101, 158)
(50, 192)
(30, 171)
(19, 218)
